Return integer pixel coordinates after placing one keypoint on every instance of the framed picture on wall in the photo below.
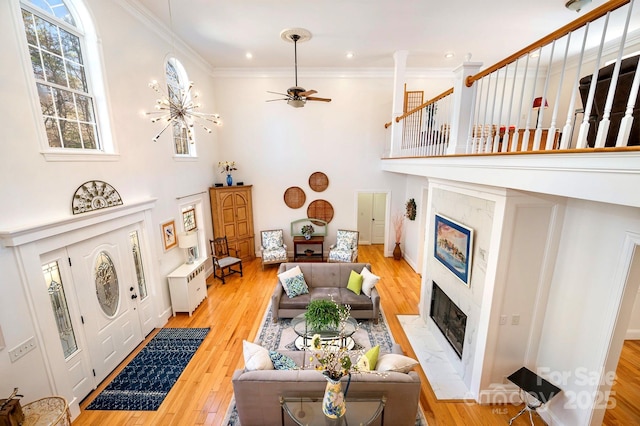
(453, 244)
(169, 239)
(189, 220)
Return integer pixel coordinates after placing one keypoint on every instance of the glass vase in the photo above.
(229, 179)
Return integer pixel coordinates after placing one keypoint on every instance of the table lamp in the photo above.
(188, 241)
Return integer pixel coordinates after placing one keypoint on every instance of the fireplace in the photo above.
(449, 318)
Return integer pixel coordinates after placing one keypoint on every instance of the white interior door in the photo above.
(365, 203)
(378, 222)
(104, 277)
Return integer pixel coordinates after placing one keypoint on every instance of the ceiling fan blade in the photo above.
(307, 93)
(310, 98)
(281, 99)
(277, 93)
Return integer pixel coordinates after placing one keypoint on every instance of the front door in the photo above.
(104, 276)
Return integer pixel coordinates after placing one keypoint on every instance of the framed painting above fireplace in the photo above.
(453, 243)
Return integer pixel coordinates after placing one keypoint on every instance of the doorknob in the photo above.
(134, 296)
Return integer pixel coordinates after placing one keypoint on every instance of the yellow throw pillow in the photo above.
(355, 282)
(372, 354)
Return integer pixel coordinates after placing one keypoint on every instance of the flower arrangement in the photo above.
(307, 230)
(227, 166)
(332, 358)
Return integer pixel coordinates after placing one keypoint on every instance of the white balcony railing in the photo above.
(535, 99)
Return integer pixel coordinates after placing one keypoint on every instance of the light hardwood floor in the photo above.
(234, 312)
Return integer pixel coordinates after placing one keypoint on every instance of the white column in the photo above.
(463, 99)
(400, 59)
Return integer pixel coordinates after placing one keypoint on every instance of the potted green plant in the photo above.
(324, 314)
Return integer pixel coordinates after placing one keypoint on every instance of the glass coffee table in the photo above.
(307, 411)
(342, 337)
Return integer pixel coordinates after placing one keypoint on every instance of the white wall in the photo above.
(583, 304)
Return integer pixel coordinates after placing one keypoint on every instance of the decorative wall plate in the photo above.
(294, 197)
(94, 195)
(318, 181)
(320, 209)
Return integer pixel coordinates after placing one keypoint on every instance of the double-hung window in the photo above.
(55, 41)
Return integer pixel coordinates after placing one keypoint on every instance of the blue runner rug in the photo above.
(144, 383)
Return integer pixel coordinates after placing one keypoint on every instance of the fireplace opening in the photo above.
(451, 321)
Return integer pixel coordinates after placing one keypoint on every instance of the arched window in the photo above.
(178, 90)
(56, 36)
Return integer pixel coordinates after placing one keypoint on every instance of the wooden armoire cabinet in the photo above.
(232, 215)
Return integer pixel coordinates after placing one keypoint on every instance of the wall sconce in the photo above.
(538, 103)
(188, 241)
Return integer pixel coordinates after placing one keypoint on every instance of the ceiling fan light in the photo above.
(576, 4)
(296, 103)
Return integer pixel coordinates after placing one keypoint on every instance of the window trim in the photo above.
(184, 80)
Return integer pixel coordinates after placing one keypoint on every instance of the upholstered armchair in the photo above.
(272, 247)
(346, 247)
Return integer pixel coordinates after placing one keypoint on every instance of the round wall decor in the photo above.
(294, 197)
(318, 181)
(320, 209)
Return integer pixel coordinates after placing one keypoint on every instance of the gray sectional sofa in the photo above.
(325, 280)
(257, 393)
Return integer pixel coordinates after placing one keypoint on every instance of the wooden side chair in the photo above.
(223, 262)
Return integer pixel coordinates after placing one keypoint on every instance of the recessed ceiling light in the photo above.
(449, 55)
(349, 55)
(248, 55)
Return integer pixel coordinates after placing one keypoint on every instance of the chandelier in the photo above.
(177, 108)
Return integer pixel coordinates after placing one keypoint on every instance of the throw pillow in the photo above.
(368, 360)
(355, 282)
(396, 362)
(369, 281)
(290, 273)
(295, 286)
(281, 361)
(256, 357)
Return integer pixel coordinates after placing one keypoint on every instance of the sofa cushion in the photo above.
(355, 282)
(328, 293)
(295, 286)
(356, 301)
(396, 362)
(369, 281)
(298, 302)
(256, 357)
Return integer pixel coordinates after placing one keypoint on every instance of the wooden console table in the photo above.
(316, 241)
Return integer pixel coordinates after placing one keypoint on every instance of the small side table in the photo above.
(316, 256)
(534, 385)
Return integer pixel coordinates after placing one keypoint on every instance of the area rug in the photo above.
(280, 335)
(144, 383)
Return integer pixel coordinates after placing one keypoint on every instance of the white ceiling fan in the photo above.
(297, 96)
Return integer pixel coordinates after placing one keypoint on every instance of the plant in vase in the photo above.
(398, 225)
(227, 167)
(307, 231)
(332, 357)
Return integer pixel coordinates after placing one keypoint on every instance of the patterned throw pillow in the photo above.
(295, 286)
(282, 362)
